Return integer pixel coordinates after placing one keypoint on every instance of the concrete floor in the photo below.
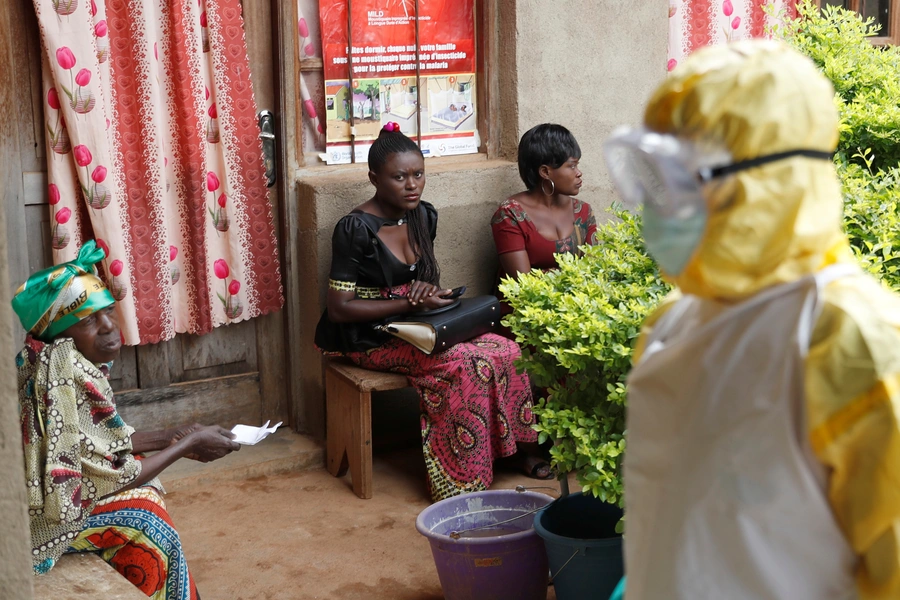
(265, 530)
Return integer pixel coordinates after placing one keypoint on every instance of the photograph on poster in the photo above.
(451, 103)
(365, 101)
(400, 98)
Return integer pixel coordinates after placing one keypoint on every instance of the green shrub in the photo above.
(866, 79)
(872, 220)
(577, 326)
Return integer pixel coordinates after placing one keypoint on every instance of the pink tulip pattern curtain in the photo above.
(694, 24)
(153, 151)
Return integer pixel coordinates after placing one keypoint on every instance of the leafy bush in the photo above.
(577, 326)
(866, 79)
(872, 220)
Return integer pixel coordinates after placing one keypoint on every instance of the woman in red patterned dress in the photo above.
(532, 227)
(475, 407)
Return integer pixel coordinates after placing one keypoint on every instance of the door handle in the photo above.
(267, 135)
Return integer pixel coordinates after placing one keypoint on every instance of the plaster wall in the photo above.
(587, 64)
(590, 65)
(15, 541)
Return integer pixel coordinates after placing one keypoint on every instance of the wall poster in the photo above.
(384, 74)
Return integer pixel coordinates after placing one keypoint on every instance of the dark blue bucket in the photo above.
(583, 548)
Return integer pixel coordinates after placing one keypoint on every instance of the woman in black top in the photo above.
(475, 407)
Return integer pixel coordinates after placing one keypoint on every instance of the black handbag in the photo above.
(440, 329)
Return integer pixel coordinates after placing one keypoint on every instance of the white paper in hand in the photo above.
(249, 436)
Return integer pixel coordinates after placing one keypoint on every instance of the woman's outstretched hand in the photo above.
(182, 432)
(207, 443)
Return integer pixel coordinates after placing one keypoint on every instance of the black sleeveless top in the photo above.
(361, 263)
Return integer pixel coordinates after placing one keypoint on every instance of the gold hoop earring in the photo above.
(552, 187)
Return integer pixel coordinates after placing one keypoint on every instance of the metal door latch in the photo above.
(267, 135)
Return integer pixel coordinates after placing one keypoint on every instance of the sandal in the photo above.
(536, 469)
(530, 465)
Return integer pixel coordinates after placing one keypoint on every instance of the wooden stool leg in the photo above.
(338, 394)
(359, 448)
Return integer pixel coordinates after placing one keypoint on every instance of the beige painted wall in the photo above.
(15, 539)
(587, 64)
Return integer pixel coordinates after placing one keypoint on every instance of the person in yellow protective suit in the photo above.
(763, 455)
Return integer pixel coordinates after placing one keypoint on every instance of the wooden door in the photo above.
(215, 378)
(22, 148)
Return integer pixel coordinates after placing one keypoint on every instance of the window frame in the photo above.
(893, 20)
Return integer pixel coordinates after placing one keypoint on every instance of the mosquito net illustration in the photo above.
(451, 101)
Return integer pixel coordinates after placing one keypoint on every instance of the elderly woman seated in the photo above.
(87, 491)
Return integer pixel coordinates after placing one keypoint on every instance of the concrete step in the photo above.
(84, 576)
(281, 452)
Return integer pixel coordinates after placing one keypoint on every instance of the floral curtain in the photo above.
(153, 150)
(694, 24)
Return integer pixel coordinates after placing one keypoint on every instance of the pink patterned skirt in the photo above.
(475, 407)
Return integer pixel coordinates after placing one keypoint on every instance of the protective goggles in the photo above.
(650, 168)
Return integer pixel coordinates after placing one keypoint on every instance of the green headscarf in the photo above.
(54, 299)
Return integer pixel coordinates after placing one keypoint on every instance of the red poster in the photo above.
(384, 87)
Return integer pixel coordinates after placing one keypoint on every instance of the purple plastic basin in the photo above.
(493, 567)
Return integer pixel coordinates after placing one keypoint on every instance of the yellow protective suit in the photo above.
(775, 224)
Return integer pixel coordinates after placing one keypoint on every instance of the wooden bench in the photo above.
(84, 576)
(348, 396)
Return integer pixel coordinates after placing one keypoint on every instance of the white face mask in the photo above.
(666, 175)
(672, 240)
(668, 172)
